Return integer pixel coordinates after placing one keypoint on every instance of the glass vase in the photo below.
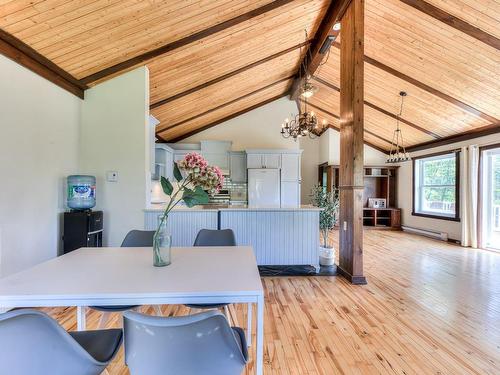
(162, 243)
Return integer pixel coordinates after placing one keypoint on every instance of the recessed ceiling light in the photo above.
(337, 26)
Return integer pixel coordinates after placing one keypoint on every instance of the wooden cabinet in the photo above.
(380, 218)
(379, 182)
(238, 166)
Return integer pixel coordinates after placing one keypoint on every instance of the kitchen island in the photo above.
(279, 236)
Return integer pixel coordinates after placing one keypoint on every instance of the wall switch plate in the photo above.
(345, 225)
(112, 176)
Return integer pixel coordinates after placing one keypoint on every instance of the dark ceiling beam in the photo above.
(161, 129)
(26, 56)
(184, 41)
(381, 110)
(226, 76)
(480, 132)
(312, 59)
(336, 128)
(454, 22)
(431, 90)
(227, 118)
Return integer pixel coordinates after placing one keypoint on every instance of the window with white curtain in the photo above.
(491, 198)
(435, 186)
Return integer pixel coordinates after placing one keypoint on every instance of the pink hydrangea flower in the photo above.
(210, 178)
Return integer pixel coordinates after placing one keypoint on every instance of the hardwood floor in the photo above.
(429, 308)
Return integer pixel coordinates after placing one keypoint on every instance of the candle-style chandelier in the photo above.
(398, 151)
(305, 123)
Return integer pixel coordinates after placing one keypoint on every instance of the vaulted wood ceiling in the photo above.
(212, 60)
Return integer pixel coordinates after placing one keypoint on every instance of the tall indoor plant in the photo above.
(328, 217)
(194, 181)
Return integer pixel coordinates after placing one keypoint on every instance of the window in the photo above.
(490, 194)
(435, 186)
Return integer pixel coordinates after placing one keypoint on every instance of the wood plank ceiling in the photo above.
(212, 60)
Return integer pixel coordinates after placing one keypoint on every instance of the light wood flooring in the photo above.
(429, 308)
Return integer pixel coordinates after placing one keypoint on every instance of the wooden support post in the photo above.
(351, 143)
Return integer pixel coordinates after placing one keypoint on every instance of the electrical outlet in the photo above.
(112, 176)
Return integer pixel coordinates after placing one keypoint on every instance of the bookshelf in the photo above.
(379, 182)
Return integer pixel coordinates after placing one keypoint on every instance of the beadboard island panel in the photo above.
(278, 237)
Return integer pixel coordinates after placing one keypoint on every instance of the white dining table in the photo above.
(126, 276)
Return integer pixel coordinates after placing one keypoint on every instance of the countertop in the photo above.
(216, 208)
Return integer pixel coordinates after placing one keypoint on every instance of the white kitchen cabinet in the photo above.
(216, 153)
(254, 161)
(271, 160)
(238, 166)
(290, 194)
(164, 162)
(290, 167)
(264, 160)
(220, 160)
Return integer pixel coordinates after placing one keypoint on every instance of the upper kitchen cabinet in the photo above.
(263, 159)
(290, 167)
(217, 153)
(164, 162)
(179, 154)
(238, 166)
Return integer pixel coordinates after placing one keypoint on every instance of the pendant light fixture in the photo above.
(398, 151)
(304, 123)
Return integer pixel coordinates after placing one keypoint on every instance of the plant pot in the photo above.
(326, 256)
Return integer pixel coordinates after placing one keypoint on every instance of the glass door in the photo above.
(490, 230)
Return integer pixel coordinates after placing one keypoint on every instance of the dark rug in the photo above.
(297, 271)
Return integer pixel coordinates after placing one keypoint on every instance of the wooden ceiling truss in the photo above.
(244, 53)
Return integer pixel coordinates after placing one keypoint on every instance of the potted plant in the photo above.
(194, 181)
(328, 217)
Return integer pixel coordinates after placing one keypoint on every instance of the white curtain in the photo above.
(469, 191)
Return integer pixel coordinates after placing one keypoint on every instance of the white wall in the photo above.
(330, 150)
(405, 193)
(259, 128)
(39, 125)
(327, 149)
(115, 137)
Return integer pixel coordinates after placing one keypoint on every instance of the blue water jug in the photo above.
(81, 192)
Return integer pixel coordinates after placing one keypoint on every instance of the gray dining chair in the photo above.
(214, 237)
(32, 343)
(134, 238)
(189, 345)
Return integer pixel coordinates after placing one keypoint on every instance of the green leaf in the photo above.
(166, 186)
(177, 173)
(194, 197)
(201, 195)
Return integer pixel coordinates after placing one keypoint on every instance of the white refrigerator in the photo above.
(264, 188)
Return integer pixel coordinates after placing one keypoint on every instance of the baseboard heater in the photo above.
(443, 236)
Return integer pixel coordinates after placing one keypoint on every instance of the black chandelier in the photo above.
(304, 124)
(398, 152)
